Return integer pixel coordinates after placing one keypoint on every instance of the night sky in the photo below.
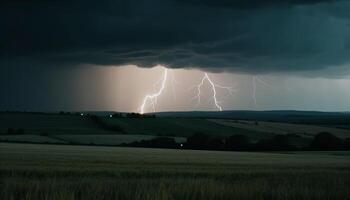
(101, 55)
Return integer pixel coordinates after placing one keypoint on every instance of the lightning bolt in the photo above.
(256, 79)
(213, 87)
(152, 98)
(254, 90)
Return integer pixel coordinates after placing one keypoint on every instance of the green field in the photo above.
(31, 171)
(108, 139)
(61, 129)
(75, 129)
(49, 124)
(180, 127)
(31, 138)
(284, 128)
(81, 139)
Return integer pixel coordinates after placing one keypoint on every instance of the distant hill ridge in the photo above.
(294, 116)
(290, 116)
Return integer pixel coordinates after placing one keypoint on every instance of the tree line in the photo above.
(114, 115)
(323, 141)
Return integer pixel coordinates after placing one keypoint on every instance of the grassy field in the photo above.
(30, 171)
(49, 123)
(108, 139)
(180, 127)
(283, 128)
(54, 128)
(64, 129)
(31, 138)
(81, 139)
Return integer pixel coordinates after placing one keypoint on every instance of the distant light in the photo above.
(110, 116)
(181, 145)
(81, 114)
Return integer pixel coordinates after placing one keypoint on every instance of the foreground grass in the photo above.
(76, 172)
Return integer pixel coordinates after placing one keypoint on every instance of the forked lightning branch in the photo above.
(150, 100)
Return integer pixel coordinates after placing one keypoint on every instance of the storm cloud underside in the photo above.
(254, 37)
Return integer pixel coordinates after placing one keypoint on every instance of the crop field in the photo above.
(283, 128)
(108, 139)
(180, 127)
(49, 124)
(31, 138)
(74, 129)
(62, 172)
(62, 129)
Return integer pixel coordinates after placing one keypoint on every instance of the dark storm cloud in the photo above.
(252, 4)
(241, 36)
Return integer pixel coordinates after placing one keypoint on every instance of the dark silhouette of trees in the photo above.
(138, 115)
(11, 131)
(204, 142)
(64, 113)
(347, 144)
(237, 143)
(198, 141)
(293, 135)
(277, 143)
(117, 115)
(20, 131)
(44, 134)
(326, 141)
(102, 124)
(216, 144)
(158, 142)
(14, 131)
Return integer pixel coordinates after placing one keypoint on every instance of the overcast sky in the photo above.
(100, 55)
